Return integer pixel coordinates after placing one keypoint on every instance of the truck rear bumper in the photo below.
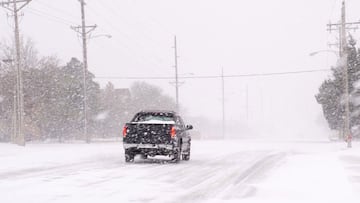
(148, 146)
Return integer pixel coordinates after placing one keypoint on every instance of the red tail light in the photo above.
(124, 131)
(173, 132)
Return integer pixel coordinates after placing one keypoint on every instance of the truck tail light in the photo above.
(124, 131)
(173, 132)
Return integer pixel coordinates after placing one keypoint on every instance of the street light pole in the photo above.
(100, 35)
(324, 50)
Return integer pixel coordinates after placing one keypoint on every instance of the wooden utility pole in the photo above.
(15, 6)
(247, 104)
(344, 56)
(342, 27)
(223, 102)
(84, 30)
(176, 76)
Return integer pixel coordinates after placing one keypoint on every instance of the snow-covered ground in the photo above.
(219, 171)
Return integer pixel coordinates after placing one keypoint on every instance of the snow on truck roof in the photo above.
(158, 117)
(158, 111)
(154, 122)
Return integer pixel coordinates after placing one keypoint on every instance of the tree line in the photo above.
(331, 94)
(53, 98)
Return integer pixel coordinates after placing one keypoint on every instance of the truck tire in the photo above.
(177, 157)
(177, 154)
(186, 157)
(129, 156)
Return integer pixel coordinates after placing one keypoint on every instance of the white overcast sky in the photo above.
(243, 37)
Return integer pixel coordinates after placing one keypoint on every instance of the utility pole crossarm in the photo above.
(348, 26)
(8, 4)
(91, 28)
(339, 24)
(78, 29)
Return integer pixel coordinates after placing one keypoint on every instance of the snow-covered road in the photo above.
(219, 171)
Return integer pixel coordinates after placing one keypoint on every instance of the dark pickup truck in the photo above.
(152, 133)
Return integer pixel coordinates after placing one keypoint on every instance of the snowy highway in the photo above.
(219, 171)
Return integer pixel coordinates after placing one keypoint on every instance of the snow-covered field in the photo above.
(219, 171)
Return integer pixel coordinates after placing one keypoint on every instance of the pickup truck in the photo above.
(153, 133)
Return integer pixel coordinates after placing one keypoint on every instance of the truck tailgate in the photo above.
(146, 133)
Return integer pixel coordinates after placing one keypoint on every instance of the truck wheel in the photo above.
(129, 157)
(177, 155)
(186, 157)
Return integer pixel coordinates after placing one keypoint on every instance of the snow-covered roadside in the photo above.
(309, 178)
(321, 173)
(33, 157)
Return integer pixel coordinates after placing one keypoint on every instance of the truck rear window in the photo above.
(152, 118)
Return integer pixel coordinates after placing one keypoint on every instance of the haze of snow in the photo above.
(242, 37)
(249, 171)
(102, 116)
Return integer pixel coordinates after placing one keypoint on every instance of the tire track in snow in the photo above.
(227, 181)
(60, 169)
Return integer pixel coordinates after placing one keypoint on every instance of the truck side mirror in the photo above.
(189, 127)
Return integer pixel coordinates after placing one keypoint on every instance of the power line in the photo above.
(50, 17)
(57, 9)
(213, 76)
(108, 17)
(66, 21)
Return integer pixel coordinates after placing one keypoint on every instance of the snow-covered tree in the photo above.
(114, 105)
(52, 95)
(332, 91)
(149, 97)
